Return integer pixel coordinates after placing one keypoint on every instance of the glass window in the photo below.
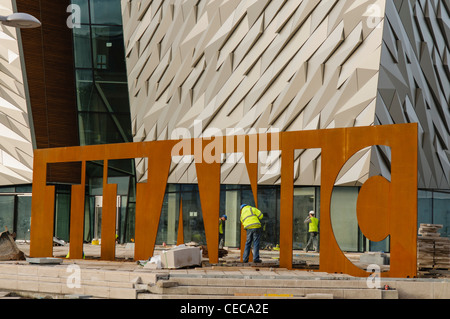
(268, 204)
(108, 53)
(103, 128)
(192, 215)
(304, 201)
(106, 12)
(84, 10)
(7, 213)
(343, 217)
(424, 207)
(87, 99)
(62, 212)
(82, 47)
(441, 212)
(231, 209)
(23, 217)
(168, 222)
(115, 96)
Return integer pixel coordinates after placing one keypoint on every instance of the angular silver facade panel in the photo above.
(414, 84)
(215, 66)
(16, 147)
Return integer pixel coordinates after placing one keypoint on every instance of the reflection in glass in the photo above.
(304, 201)
(106, 12)
(82, 47)
(23, 217)
(441, 212)
(109, 53)
(7, 213)
(83, 6)
(343, 217)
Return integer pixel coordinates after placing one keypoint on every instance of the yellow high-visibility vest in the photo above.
(220, 226)
(250, 217)
(314, 225)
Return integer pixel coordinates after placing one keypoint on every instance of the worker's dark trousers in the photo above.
(313, 241)
(221, 240)
(253, 237)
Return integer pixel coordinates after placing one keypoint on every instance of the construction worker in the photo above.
(222, 230)
(313, 230)
(251, 220)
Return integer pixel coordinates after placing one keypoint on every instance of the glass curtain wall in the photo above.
(101, 77)
(15, 210)
(103, 107)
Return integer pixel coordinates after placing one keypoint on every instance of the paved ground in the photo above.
(125, 269)
(125, 253)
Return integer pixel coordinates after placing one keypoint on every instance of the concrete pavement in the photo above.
(127, 279)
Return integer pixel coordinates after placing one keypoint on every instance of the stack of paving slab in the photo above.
(433, 251)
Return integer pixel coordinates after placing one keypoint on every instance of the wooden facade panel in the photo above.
(48, 54)
(49, 63)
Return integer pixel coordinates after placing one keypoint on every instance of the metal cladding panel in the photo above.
(16, 145)
(205, 68)
(208, 68)
(414, 85)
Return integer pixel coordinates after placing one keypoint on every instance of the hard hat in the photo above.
(243, 205)
(224, 216)
(311, 212)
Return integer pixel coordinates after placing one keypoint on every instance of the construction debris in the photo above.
(8, 248)
(181, 256)
(222, 252)
(58, 242)
(433, 251)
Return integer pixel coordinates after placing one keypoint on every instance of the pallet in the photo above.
(433, 251)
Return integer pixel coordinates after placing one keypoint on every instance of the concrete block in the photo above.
(377, 258)
(8, 269)
(141, 287)
(222, 281)
(97, 291)
(202, 290)
(122, 293)
(192, 281)
(120, 284)
(136, 280)
(117, 276)
(148, 278)
(414, 290)
(44, 271)
(246, 290)
(342, 284)
(77, 296)
(28, 270)
(337, 293)
(441, 290)
(65, 289)
(27, 278)
(88, 274)
(166, 283)
(45, 260)
(286, 291)
(180, 290)
(50, 287)
(319, 296)
(9, 284)
(180, 257)
(389, 294)
(362, 294)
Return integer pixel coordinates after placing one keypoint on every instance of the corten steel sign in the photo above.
(384, 208)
